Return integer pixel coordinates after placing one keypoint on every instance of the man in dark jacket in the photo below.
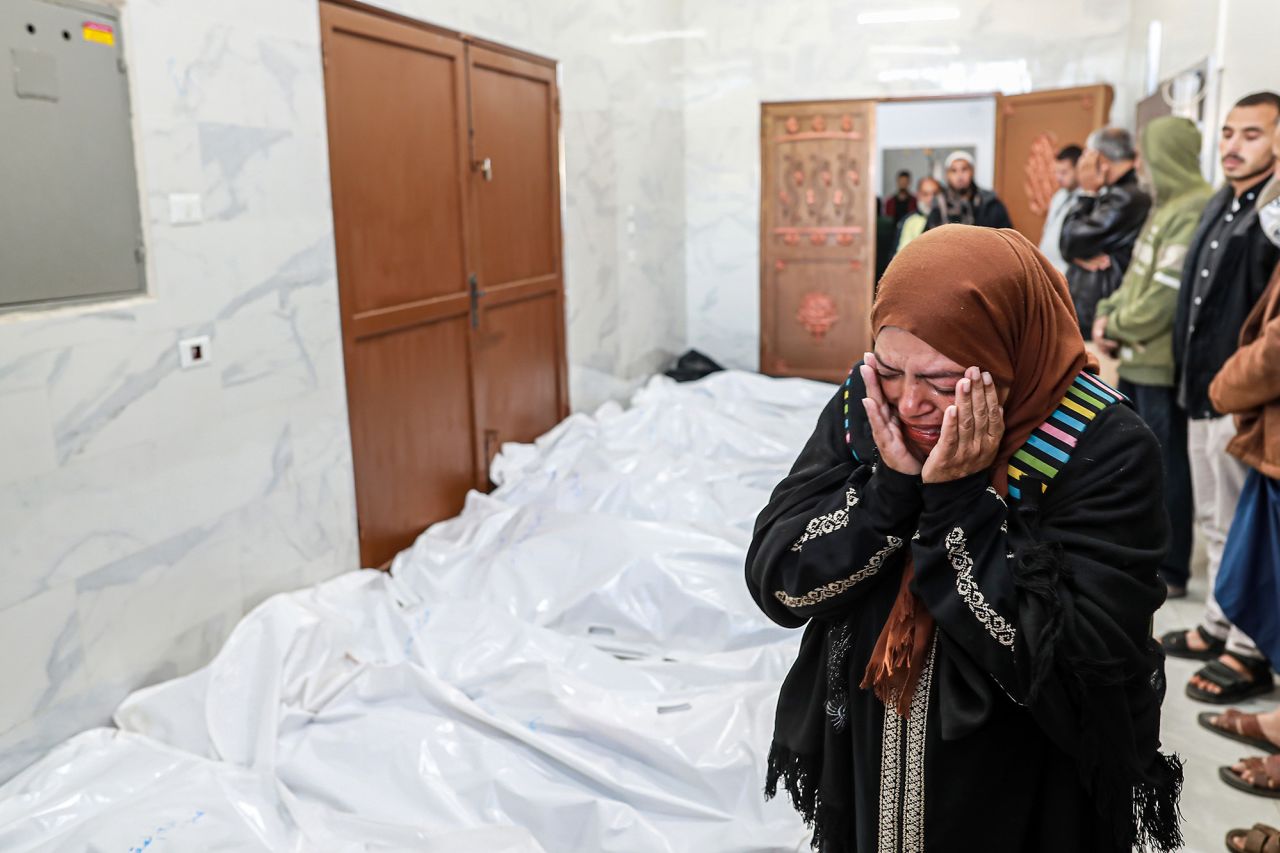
(1228, 265)
(1099, 232)
(962, 202)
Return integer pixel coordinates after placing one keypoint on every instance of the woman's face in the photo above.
(918, 383)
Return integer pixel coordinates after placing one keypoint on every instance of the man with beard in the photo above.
(962, 202)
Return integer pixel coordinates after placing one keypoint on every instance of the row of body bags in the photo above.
(573, 663)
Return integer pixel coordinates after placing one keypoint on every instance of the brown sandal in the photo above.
(1260, 839)
(1240, 727)
(1266, 777)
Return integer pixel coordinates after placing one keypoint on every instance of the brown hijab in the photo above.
(984, 297)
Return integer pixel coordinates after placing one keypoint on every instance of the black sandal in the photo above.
(1234, 686)
(1175, 645)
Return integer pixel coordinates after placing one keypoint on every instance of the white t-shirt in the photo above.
(1059, 206)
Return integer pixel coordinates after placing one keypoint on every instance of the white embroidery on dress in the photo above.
(997, 496)
(1000, 630)
(890, 779)
(913, 788)
(839, 714)
(829, 522)
(902, 783)
(831, 590)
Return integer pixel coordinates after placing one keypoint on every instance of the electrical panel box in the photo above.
(70, 223)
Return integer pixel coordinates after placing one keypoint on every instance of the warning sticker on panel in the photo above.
(99, 33)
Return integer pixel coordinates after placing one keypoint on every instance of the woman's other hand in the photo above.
(971, 431)
(885, 428)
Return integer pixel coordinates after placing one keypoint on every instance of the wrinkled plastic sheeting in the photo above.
(572, 663)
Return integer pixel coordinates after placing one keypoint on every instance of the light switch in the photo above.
(194, 352)
(185, 209)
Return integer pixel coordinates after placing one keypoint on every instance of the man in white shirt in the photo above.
(1064, 169)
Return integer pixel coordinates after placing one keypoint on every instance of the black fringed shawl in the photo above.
(1060, 628)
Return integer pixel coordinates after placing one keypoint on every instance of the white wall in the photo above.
(930, 124)
(1248, 41)
(143, 508)
(748, 51)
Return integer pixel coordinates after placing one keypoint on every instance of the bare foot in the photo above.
(1270, 723)
(1195, 642)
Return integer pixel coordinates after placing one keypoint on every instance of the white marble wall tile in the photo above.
(43, 657)
(141, 604)
(26, 435)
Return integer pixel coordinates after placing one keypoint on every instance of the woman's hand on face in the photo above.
(971, 431)
(885, 428)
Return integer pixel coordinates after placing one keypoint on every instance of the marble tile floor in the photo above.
(1209, 807)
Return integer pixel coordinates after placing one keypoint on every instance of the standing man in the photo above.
(903, 204)
(1137, 320)
(1228, 265)
(962, 202)
(913, 226)
(1064, 170)
(1099, 231)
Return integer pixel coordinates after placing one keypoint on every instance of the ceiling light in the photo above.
(917, 49)
(909, 15)
(657, 35)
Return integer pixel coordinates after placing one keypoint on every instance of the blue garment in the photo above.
(1248, 585)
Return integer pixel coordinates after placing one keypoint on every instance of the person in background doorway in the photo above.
(1228, 266)
(1099, 231)
(1064, 171)
(1138, 318)
(913, 226)
(902, 204)
(962, 202)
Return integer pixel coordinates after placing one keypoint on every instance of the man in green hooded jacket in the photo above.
(1137, 320)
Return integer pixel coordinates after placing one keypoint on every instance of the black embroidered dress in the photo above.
(1035, 724)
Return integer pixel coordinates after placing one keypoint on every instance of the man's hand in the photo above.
(971, 431)
(1100, 326)
(1095, 264)
(885, 427)
(1088, 172)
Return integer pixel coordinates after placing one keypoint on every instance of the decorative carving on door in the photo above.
(816, 218)
(817, 314)
(1041, 183)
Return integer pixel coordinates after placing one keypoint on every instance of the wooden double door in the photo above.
(444, 164)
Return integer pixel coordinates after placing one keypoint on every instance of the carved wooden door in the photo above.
(817, 237)
(1030, 130)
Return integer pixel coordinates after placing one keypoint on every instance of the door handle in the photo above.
(484, 167)
(473, 287)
